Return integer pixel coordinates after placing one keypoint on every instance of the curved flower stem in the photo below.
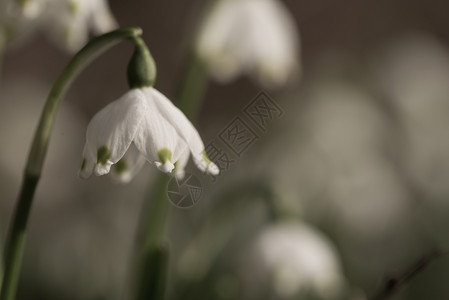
(17, 231)
(151, 283)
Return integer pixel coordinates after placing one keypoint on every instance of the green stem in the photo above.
(154, 216)
(2, 55)
(193, 88)
(17, 231)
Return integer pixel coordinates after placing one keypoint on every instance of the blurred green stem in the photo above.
(193, 88)
(17, 230)
(151, 284)
(2, 54)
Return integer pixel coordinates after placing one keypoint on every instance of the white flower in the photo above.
(142, 125)
(14, 25)
(254, 36)
(67, 22)
(298, 259)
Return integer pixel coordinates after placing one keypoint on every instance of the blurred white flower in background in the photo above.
(414, 73)
(352, 135)
(14, 26)
(298, 260)
(258, 37)
(67, 22)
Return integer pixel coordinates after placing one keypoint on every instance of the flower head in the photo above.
(142, 125)
(254, 36)
(298, 258)
(68, 22)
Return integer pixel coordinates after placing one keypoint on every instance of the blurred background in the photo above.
(345, 189)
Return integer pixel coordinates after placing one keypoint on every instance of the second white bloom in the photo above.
(258, 37)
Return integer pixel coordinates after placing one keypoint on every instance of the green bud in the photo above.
(141, 67)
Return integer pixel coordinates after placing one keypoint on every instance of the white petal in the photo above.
(215, 41)
(128, 166)
(184, 129)
(166, 167)
(156, 134)
(101, 17)
(275, 42)
(113, 129)
(182, 162)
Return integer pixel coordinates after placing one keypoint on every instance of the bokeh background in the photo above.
(347, 189)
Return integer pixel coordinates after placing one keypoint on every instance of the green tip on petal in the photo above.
(74, 7)
(83, 164)
(164, 155)
(121, 166)
(206, 159)
(103, 155)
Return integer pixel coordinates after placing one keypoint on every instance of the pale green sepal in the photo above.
(141, 67)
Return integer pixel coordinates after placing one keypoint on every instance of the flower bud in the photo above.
(141, 67)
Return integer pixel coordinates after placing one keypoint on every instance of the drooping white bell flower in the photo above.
(258, 37)
(29, 9)
(297, 260)
(143, 123)
(67, 22)
(14, 23)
